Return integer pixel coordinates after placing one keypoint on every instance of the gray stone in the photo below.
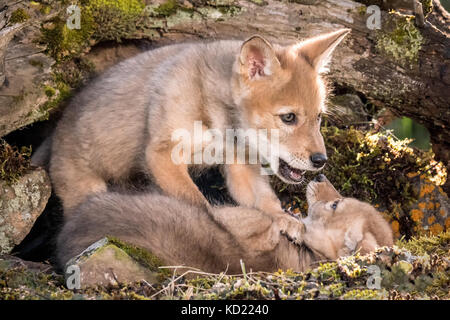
(104, 263)
(21, 203)
(6, 35)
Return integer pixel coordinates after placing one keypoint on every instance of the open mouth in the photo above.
(289, 173)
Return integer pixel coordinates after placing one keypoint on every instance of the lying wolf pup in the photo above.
(338, 226)
(182, 234)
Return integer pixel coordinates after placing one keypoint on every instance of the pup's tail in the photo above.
(168, 228)
(41, 157)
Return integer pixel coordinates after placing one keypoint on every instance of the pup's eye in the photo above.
(335, 204)
(289, 118)
(319, 118)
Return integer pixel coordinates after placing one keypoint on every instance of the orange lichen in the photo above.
(436, 228)
(426, 189)
(431, 219)
(395, 228)
(412, 174)
(422, 205)
(416, 215)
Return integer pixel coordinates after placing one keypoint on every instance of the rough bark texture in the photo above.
(418, 87)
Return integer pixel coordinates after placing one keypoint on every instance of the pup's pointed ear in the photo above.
(257, 58)
(318, 50)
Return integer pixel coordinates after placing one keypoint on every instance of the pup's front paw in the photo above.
(291, 227)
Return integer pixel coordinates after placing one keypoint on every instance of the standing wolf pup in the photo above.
(124, 120)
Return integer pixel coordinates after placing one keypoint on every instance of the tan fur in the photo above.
(123, 121)
(179, 233)
(353, 225)
(214, 241)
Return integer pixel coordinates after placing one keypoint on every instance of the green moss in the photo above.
(45, 9)
(67, 76)
(56, 96)
(362, 10)
(259, 2)
(14, 162)
(403, 40)
(145, 258)
(63, 42)
(436, 244)
(49, 91)
(117, 20)
(36, 63)
(167, 8)
(114, 20)
(19, 16)
(361, 294)
(101, 20)
(427, 6)
(326, 272)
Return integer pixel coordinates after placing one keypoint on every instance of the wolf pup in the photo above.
(124, 120)
(337, 226)
(182, 234)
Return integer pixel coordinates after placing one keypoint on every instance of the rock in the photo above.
(21, 203)
(8, 262)
(106, 263)
(431, 212)
(26, 74)
(5, 37)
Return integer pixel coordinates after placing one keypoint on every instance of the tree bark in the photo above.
(410, 77)
(419, 89)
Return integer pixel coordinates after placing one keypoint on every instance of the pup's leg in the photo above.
(72, 183)
(173, 178)
(251, 189)
(252, 228)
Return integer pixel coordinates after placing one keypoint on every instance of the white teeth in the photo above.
(294, 175)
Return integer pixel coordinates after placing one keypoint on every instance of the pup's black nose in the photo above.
(320, 178)
(318, 159)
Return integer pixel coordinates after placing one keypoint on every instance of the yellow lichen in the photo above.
(403, 43)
